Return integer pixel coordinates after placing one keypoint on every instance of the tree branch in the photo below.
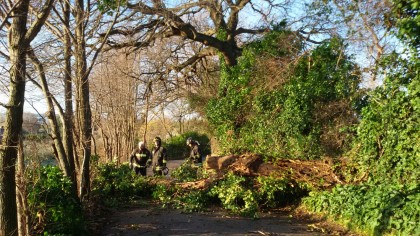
(39, 21)
(192, 60)
(7, 15)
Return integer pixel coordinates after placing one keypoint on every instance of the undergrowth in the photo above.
(240, 195)
(371, 208)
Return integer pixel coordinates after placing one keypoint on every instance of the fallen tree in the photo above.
(319, 174)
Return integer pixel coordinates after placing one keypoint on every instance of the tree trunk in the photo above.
(19, 41)
(68, 113)
(68, 95)
(22, 202)
(14, 119)
(51, 116)
(83, 106)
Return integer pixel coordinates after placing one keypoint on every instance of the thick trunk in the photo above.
(13, 124)
(19, 40)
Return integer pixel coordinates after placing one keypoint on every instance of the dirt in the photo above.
(149, 218)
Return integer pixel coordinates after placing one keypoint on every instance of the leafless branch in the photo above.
(5, 14)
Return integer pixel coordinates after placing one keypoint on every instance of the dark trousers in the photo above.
(140, 170)
(157, 172)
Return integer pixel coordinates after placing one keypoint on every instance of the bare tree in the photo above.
(30, 123)
(72, 38)
(164, 19)
(114, 108)
(20, 36)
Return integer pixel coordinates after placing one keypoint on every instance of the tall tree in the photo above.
(114, 104)
(221, 33)
(20, 35)
(68, 32)
(68, 94)
(84, 115)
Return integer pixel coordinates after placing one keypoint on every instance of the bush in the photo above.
(279, 192)
(187, 172)
(118, 184)
(236, 194)
(53, 203)
(375, 209)
(387, 143)
(178, 150)
(289, 117)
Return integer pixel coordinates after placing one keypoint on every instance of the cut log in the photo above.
(226, 161)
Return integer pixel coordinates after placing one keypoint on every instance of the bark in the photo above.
(14, 119)
(51, 117)
(83, 106)
(22, 202)
(19, 40)
(68, 95)
(177, 21)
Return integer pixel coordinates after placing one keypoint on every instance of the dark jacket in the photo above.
(195, 155)
(159, 158)
(140, 157)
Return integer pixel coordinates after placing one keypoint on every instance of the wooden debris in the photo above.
(318, 173)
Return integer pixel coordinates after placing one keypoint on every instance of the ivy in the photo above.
(281, 120)
(375, 209)
(388, 137)
(54, 208)
(236, 195)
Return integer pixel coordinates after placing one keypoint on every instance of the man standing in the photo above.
(140, 159)
(195, 156)
(159, 157)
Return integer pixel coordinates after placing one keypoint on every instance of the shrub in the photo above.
(289, 116)
(387, 143)
(177, 148)
(279, 192)
(375, 209)
(236, 194)
(118, 184)
(187, 172)
(53, 204)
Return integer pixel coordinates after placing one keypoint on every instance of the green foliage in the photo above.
(288, 119)
(388, 137)
(109, 6)
(50, 196)
(372, 208)
(177, 148)
(187, 172)
(117, 184)
(385, 150)
(236, 194)
(279, 192)
(164, 194)
(240, 195)
(192, 200)
(406, 15)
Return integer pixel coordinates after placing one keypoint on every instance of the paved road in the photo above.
(172, 164)
(152, 219)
